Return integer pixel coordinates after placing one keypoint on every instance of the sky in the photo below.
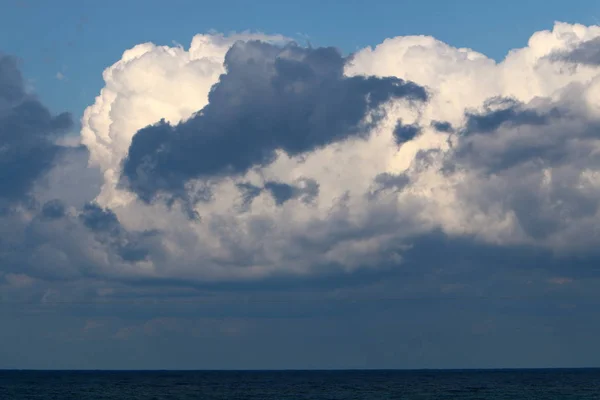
(75, 40)
(299, 186)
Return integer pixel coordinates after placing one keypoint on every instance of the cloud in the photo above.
(27, 134)
(290, 99)
(275, 160)
(585, 53)
(44, 180)
(405, 133)
(499, 112)
(518, 167)
(386, 181)
(139, 92)
(107, 229)
(530, 165)
(249, 159)
(238, 223)
(54, 209)
(308, 190)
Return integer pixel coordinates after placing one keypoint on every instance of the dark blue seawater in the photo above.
(330, 385)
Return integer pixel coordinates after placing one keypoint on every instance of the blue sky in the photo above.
(427, 209)
(79, 38)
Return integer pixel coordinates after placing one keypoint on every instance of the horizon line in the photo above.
(304, 369)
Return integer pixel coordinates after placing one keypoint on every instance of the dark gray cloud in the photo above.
(509, 133)
(281, 192)
(99, 219)
(307, 190)
(506, 112)
(404, 133)
(53, 209)
(442, 126)
(249, 192)
(130, 246)
(291, 98)
(28, 133)
(586, 53)
(387, 181)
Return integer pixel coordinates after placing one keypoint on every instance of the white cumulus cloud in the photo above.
(528, 177)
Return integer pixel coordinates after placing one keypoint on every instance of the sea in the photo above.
(559, 384)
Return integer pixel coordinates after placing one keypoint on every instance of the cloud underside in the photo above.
(249, 158)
